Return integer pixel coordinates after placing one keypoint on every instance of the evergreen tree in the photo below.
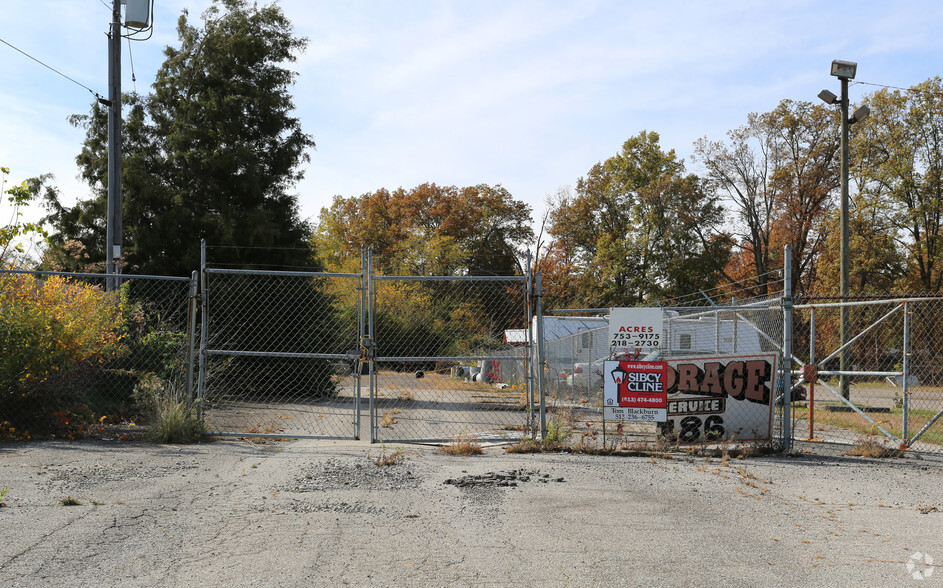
(211, 153)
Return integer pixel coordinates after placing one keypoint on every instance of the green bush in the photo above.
(55, 335)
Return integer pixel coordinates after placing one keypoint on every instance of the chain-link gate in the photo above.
(890, 394)
(305, 354)
(278, 353)
(451, 358)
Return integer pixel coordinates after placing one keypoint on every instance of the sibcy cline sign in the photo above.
(705, 398)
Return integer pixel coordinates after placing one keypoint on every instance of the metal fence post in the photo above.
(191, 334)
(787, 348)
(528, 361)
(538, 294)
(905, 406)
(361, 333)
(204, 330)
(370, 347)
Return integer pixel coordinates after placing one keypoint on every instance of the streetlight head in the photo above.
(860, 114)
(827, 97)
(844, 69)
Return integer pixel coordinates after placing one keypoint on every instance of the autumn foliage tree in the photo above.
(777, 174)
(638, 229)
(428, 230)
(433, 230)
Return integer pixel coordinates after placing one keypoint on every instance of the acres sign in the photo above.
(635, 328)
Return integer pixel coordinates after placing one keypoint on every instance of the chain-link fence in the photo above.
(80, 357)
(309, 354)
(452, 358)
(890, 393)
(723, 376)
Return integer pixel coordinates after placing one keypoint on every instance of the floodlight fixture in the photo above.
(844, 69)
(828, 97)
(859, 115)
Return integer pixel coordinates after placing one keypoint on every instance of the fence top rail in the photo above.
(121, 277)
(420, 359)
(216, 270)
(452, 278)
(866, 302)
(760, 305)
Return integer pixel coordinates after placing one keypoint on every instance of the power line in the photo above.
(879, 85)
(94, 93)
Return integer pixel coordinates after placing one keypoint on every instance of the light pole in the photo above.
(844, 71)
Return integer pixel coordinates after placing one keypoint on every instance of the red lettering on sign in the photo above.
(757, 374)
(711, 382)
(733, 379)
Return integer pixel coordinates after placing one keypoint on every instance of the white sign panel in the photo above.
(625, 413)
(636, 328)
(723, 397)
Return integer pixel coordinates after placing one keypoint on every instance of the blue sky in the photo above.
(520, 93)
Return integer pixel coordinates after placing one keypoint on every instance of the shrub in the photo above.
(48, 327)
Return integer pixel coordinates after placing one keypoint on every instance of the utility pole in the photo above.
(113, 221)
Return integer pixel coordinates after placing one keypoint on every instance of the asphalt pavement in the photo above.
(301, 513)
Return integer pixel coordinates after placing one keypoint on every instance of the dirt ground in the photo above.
(235, 513)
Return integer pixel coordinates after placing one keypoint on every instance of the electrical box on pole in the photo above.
(137, 14)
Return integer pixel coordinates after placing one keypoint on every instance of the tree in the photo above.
(211, 153)
(901, 150)
(638, 229)
(428, 230)
(14, 229)
(778, 174)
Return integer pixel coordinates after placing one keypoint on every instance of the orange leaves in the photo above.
(53, 324)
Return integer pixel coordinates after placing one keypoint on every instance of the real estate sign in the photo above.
(635, 328)
(635, 391)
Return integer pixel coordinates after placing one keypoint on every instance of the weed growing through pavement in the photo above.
(463, 446)
(390, 459)
(870, 447)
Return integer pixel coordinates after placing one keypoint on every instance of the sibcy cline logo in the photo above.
(920, 566)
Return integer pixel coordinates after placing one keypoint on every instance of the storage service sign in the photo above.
(635, 391)
(729, 397)
(635, 328)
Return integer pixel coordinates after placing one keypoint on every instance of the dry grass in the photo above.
(463, 447)
(871, 447)
(389, 418)
(852, 421)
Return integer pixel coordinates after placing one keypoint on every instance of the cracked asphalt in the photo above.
(233, 513)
